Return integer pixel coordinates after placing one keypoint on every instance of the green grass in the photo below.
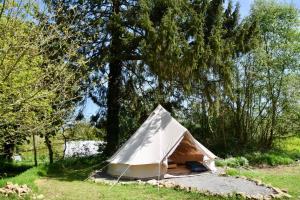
(77, 190)
(284, 177)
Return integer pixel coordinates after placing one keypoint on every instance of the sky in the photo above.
(245, 6)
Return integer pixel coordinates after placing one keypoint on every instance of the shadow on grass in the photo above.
(10, 169)
(74, 169)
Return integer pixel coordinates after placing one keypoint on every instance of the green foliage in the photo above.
(22, 98)
(271, 158)
(233, 162)
(264, 100)
(83, 131)
(38, 89)
(285, 152)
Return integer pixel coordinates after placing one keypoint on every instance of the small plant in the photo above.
(233, 162)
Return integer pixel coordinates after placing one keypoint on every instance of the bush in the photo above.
(233, 162)
(269, 158)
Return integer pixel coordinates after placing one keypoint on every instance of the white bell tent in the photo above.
(160, 139)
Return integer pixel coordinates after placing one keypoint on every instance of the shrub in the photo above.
(233, 162)
(269, 158)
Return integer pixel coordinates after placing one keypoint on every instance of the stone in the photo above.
(242, 194)
(257, 197)
(152, 182)
(169, 184)
(286, 195)
(258, 182)
(277, 190)
(140, 182)
(189, 189)
(284, 190)
(268, 197)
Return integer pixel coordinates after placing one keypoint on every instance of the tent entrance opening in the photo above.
(186, 159)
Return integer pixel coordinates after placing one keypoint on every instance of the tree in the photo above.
(178, 44)
(38, 89)
(262, 89)
(22, 98)
(278, 57)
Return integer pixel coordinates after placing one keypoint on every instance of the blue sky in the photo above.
(245, 6)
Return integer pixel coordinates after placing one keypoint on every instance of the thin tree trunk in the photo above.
(273, 123)
(65, 144)
(34, 150)
(114, 88)
(50, 149)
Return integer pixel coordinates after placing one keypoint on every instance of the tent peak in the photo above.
(160, 108)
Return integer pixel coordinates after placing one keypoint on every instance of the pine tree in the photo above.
(180, 44)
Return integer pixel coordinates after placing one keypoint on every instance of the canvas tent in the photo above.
(160, 139)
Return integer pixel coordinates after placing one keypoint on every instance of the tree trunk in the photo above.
(273, 123)
(8, 150)
(114, 86)
(65, 144)
(34, 150)
(50, 150)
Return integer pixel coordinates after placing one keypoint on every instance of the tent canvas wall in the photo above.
(159, 138)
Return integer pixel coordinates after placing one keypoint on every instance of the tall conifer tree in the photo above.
(180, 42)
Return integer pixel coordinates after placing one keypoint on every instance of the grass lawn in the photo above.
(284, 177)
(77, 190)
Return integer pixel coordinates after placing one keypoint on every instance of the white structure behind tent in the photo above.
(160, 138)
(82, 148)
